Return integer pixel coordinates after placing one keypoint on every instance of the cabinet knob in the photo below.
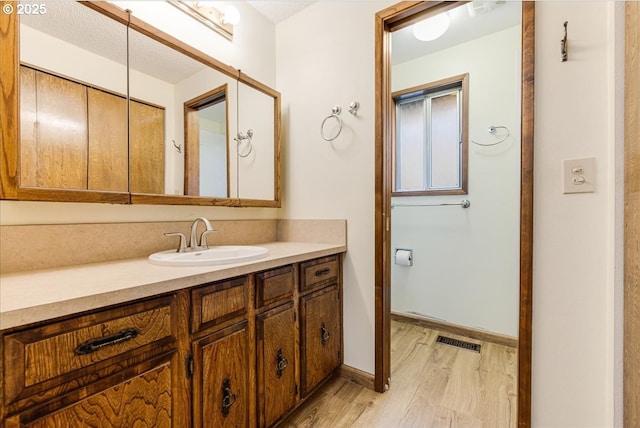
(228, 398)
(281, 363)
(324, 334)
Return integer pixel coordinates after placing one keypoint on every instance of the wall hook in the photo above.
(563, 44)
(353, 107)
(178, 147)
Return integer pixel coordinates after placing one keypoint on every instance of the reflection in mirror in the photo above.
(257, 150)
(79, 139)
(206, 144)
(169, 83)
(468, 257)
(73, 82)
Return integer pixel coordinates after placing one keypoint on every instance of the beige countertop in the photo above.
(33, 296)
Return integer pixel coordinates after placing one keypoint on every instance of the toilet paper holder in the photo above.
(406, 259)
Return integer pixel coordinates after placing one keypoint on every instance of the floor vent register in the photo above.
(459, 343)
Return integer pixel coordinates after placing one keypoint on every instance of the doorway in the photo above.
(388, 21)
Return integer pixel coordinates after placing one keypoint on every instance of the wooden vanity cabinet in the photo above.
(116, 367)
(240, 352)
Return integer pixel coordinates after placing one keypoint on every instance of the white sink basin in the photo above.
(219, 255)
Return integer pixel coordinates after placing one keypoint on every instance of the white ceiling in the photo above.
(463, 28)
(278, 11)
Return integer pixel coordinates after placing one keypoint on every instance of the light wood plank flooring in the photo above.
(432, 385)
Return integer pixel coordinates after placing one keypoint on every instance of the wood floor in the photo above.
(432, 385)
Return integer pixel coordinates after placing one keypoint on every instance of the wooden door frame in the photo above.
(393, 18)
(631, 335)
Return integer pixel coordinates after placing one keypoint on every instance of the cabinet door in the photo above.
(221, 373)
(320, 335)
(108, 148)
(146, 149)
(276, 363)
(54, 129)
(140, 396)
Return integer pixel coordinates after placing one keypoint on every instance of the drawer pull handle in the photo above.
(281, 363)
(94, 345)
(228, 398)
(324, 334)
(322, 272)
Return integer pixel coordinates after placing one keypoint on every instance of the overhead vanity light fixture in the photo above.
(431, 28)
(207, 13)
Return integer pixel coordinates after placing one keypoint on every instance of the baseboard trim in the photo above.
(487, 336)
(358, 376)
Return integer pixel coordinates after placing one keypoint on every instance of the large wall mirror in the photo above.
(113, 110)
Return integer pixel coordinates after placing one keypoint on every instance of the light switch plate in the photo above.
(578, 175)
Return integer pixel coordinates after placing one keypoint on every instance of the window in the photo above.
(431, 138)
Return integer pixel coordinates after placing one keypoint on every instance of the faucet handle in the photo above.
(203, 237)
(183, 241)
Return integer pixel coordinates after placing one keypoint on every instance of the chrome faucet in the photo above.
(194, 243)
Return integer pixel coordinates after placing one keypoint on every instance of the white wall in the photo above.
(573, 274)
(325, 56)
(465, 268)
(574, 277)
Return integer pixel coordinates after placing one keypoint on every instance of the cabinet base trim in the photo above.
(487, 336)
(358, 376)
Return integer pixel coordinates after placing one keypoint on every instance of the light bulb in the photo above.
(431, 28)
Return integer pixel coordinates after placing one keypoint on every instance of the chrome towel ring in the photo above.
(335, 113)
(247, 138)
(492, 130)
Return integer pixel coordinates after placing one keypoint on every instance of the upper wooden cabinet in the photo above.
(107, 168)
(54, 131)
(67, 136)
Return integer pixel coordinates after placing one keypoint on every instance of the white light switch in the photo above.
(578, 175)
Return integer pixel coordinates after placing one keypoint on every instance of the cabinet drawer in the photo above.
(319, 272)
(58, 349)
(141, 395)
(274, 285)
(218, 302)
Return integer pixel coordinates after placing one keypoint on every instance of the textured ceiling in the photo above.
(77, 24)
(277, 11)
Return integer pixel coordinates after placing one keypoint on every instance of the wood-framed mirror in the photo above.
(389, 21)
(132, 148)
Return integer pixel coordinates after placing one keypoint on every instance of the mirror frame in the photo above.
(386, 21)
(10, 188)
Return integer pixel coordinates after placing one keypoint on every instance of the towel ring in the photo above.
(241, 138)
(335, 113)
(492, 130)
